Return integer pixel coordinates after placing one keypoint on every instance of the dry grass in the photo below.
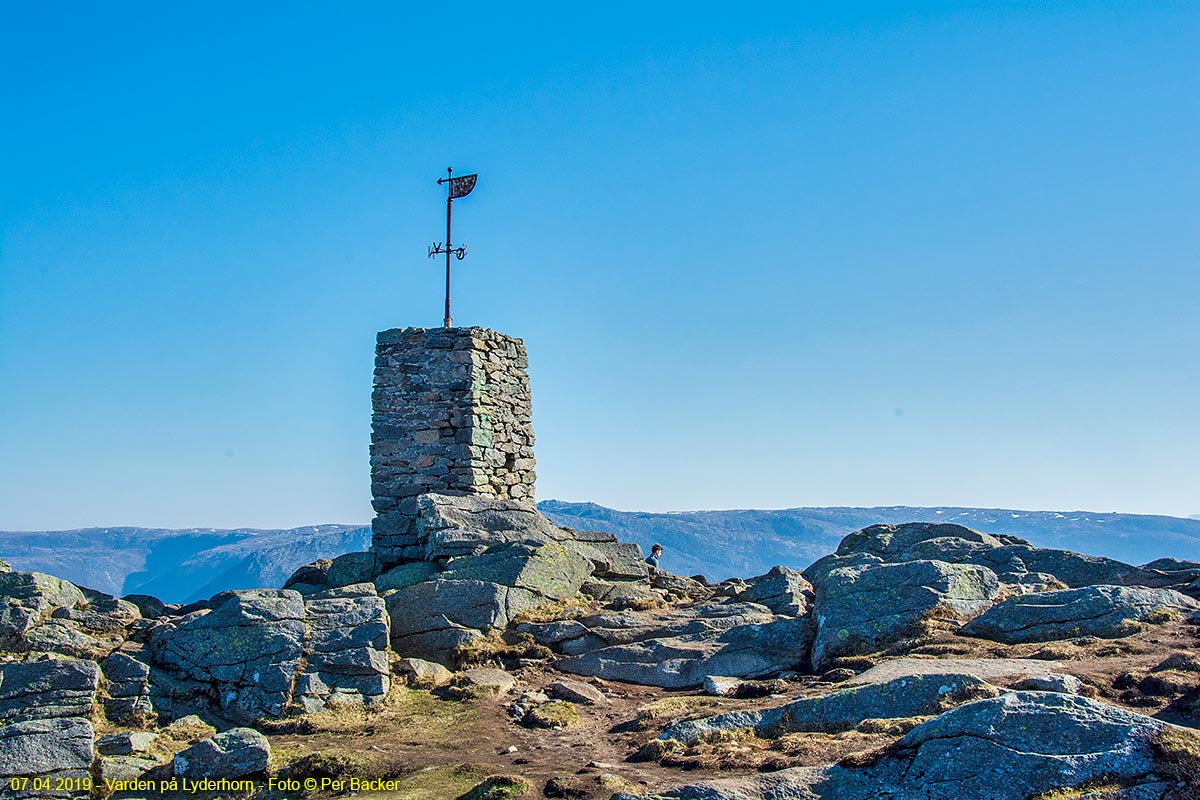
(557, 714)
(439, 783)
(1177, 758)
(890, 727)
(1161, 616)
(578, 606)
(498, 787)
(1092, 789)
(415, 712)
(741, 750)
(492, 650)
(638, 604)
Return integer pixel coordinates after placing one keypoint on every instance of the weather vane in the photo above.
(456, 187)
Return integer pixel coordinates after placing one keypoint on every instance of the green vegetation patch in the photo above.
(1176, 754)
(498, 787)
(555, 714)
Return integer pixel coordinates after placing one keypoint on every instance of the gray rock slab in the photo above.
(1055, 682)
(47, 689)
(912, 696)
(551, 569)
(861, 607)
(236, 753)
(28, 598)
(783, 590)
(1108, 612)
(125, 743)
(721, 685)
(486, 679)
(60, 749)
(745, 651)
(246, 650)
(423, 674)
(988, 669)
(1017, 745)
(123, 768)
(576, 692)
(1010, 557)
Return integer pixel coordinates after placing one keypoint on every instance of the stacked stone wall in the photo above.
(452, 415)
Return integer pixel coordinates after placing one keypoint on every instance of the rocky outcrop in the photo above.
(1013, 559)
(904, 697)
(233, 754)
(56, 752)
(1108, 612)
(128, 687)
(862, 603)
(45, 727)
(423, 674)
(48, 689)
(678, 647)
(28, 598)
(44, 614)
(784, 591)
(1017, 745)
(475, 563)
(263, 652)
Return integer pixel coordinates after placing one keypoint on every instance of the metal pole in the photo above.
(448, 322)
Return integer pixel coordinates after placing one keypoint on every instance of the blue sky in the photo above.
(762, 255)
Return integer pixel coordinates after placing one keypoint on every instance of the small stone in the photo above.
(1054, 682)
(486, 679)
(233, 754)
(576, 692)
(125, 743)
(423, 674)
(123, 768)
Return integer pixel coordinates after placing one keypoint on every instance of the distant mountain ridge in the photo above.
(177, 565)
(192, 564)
(722, 544)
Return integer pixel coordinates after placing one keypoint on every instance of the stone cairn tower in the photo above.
(451, 415)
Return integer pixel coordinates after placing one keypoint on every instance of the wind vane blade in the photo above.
(462, 185)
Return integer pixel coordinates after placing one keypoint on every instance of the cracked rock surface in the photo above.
(1108, 612)
(1013, 746)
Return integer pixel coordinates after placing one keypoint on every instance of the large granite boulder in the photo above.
(346, 652)
(246, 651)
(476, 595)
(678, 647)
(1108, 612)
(918, 695)
(236, 753)
(862, 604)
(1018, 745)
(45, 727)
(48, 689)
(1013, 559)
(43, 614)
(747, 651)
(448, 526)
(469, 565)
(261, 652)
(128, 675)
(784, 591)
(434, 618)
(28, 598)
(56, 753)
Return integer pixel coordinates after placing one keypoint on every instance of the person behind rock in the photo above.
(655, 552)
